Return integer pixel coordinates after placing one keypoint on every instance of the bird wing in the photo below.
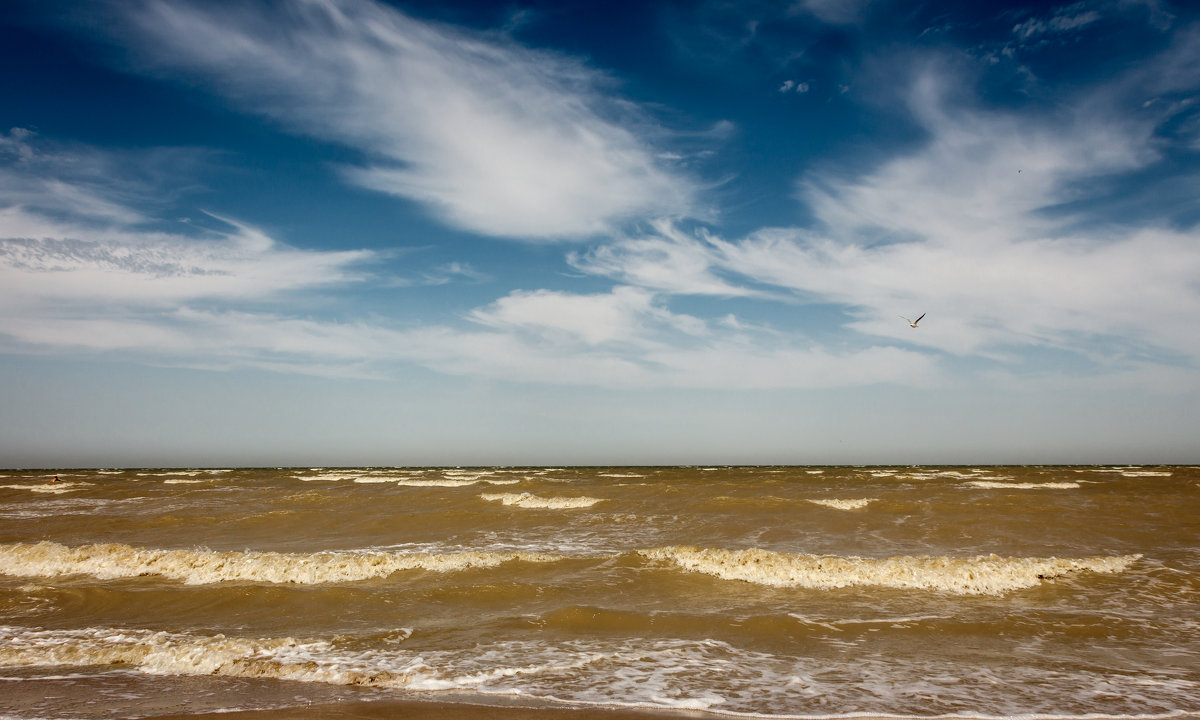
(918, 319)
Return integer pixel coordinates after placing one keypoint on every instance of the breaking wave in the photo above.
(526, 500)
(55, 488)
(165, 653)
(201, 567)
(855, 504)
(457, 482)
(994, 485)
(982, 575)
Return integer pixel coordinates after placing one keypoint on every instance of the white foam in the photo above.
(526, 500)
(55, 488)
(996, 485)
(981, 575)
(441, 482)
(650, 673)
(855, 504)
(329, 475)
(1146, 473)
(182, 481)
(468, 474)
(199, 567)
(833, 623)
(164, 653)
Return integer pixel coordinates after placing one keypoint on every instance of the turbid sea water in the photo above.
(797, 592)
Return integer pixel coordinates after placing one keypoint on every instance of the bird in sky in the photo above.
(912, 323)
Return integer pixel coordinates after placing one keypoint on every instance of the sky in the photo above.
(545, 232)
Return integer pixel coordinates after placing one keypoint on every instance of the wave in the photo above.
(166, 653)
(855, 504)
(410, 478)
(526, 500)
(55, 488)
(462, 481)
(995, 485)
(201, 567)
(982, 575)
(709, 675)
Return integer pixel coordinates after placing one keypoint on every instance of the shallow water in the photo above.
(791, 592)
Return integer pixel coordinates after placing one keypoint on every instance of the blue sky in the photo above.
(350, 232)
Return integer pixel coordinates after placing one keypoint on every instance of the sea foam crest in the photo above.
(56, 488)
(853, 504)
(996, 485)
(200, 567)
(462, 481)
(527, 500)
(982, 575)
(164, 653)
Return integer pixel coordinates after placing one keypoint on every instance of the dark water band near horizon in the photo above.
(777, 592)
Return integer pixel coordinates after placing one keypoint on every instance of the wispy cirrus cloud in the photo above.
(624, 315)
(492, 137)
(83, 266)
(83, 272)
(1063, 19)
(997, 226)
(666, 259)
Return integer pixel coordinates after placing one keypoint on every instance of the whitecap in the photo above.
(200, 567)
(981, 575)
(853, 504)
(998, 485)
(529, 501)
(55, 488)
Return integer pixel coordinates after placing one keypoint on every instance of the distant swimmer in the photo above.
(55, 479)
(912, 323)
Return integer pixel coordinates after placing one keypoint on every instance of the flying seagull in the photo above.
(912, 323)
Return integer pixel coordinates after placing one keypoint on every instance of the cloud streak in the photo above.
(492, 137)
(84, 274)
(991, 226)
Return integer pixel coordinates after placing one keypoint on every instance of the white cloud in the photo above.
(979, 228)
(51, 263)
(594, 319)
(88, 277)
(1062, 20)
(80, 269)
(625, 315)
(665, 259)
(962, 228)
(644, 346)
(494, 138)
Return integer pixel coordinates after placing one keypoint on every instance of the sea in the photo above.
(762, 592)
